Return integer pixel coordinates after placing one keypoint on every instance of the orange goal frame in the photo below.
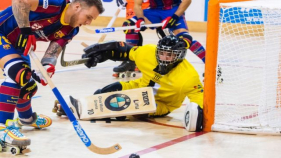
(211, 61)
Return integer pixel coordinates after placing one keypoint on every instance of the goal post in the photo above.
(211, 61)
(242, 90)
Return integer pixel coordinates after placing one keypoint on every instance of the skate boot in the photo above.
(11, 139)
(39, 121)
(219, 75)
(127, 68)
(73, 104)
(58, 109)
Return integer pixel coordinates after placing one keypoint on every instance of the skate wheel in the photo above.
(133, 74)
(122, 75)
(115, 75)
(55, 109)
(59, 113)
(15, 150)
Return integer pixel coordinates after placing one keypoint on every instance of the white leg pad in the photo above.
(190, 117)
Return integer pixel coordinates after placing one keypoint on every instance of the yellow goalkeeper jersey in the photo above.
(171, 89)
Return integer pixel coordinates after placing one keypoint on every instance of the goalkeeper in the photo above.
(164, 68)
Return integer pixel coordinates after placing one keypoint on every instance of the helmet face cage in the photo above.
(174, 51)
(176, 55)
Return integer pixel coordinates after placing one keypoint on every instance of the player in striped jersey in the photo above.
(21, 25)
(170, 13)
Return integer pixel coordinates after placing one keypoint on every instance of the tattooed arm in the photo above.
(21, 9)
(48, 61)
(52, 54)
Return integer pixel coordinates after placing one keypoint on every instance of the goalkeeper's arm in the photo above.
(114, 50)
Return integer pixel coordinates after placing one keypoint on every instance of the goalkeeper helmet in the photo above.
(170, 51)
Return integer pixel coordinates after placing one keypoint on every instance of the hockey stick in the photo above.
(114, 29)
(78, 128)
(71, 62)
(81, 61)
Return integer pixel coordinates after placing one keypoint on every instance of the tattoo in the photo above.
(21, 12)
(53, 50)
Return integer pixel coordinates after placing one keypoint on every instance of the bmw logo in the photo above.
(117, 102)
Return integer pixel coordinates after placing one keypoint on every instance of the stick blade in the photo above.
(105, 151)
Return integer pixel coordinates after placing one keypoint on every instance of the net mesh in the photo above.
(248, 87)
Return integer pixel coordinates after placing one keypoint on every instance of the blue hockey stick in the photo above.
(80, 131)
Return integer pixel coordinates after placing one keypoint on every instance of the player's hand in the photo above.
(100, 52)
(95, 55)
(170, 21)
(92, 62)
(123, 3)
(50, 68)
(139, 24)
(25, 41)
(37, 76)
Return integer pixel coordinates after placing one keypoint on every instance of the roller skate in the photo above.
(58, 109)
(73, 104)
(126, 69)
(219, 75)
(12, 140)
(39, 121)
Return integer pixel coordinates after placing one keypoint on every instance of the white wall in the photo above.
(195, 12)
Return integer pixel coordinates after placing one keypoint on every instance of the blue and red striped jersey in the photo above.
(164, 4)
(45, 23)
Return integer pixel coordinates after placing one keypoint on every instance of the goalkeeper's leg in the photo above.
(193, 117)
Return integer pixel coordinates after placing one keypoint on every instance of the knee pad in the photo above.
(186, 37)
(129, 22)
(18, 70)
(28, 90)
(110, 88)
(193, 117)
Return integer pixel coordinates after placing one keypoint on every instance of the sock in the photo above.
(24, 108)
(134, 39)
(9, 95)
(198, 50)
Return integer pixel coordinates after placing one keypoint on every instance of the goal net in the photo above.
(248, 83)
